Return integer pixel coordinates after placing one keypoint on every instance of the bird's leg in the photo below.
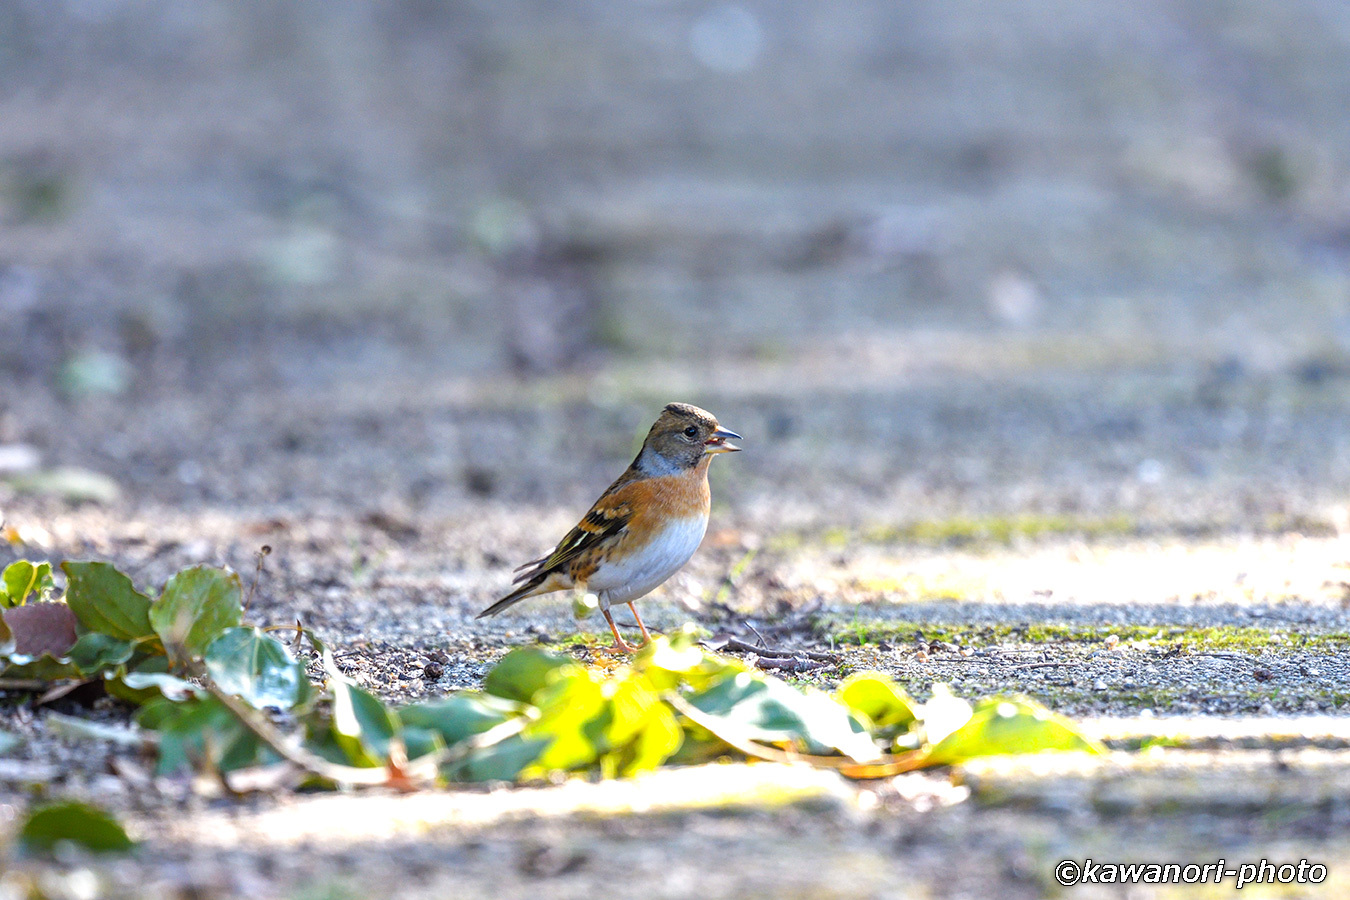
(646, 638)
(618, 638)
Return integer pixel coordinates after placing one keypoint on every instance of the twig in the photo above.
(262, 554)
(790, 663)
(22, 684)
(289, 749)
(758, 636)
(398, 773)
(736, 645)
(1039, 665)
(60, 689)
(884, 767)
(808, 654)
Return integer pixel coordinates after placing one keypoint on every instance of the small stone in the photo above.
(1099, 685)
(433, 671)
(1261, 673)
(1267, 709)
(1111, 641)
(921, 655)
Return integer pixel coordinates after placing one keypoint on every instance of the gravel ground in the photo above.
(1125, 550)
(1033, 315)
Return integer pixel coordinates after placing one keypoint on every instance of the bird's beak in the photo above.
(717, 441)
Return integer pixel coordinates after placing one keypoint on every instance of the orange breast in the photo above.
(656, 501)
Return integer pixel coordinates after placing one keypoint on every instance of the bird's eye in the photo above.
(691, 431)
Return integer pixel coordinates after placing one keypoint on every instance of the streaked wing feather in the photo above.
(598, 525)
(606, 518)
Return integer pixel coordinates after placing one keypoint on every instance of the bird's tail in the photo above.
(528, 589)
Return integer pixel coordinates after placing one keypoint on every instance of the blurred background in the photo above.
(1062, 255)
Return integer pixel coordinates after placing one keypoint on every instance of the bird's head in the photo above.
(682, 437)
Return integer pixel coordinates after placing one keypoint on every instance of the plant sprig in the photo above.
(204, 682)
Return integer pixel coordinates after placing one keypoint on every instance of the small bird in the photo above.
(644, 527)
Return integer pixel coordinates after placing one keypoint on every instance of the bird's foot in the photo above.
(618, 638)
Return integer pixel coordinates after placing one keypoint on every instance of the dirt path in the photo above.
(1134, 549)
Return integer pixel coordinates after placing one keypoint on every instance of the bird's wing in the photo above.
(606, 519)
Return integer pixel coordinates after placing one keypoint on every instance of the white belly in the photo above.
(619, 581)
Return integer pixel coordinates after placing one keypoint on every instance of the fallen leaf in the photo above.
(40, 628)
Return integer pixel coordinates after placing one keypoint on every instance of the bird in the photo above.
(645, 526)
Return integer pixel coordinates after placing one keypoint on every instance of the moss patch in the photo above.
(996, 529)
(1002, 531)
(1179, 637)
(961, 531)
(581, 640)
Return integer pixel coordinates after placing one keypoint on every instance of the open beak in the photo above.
(717, 441)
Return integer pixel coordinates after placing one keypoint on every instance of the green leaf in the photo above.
(69, 483)
(769, 710)
(521, 673)
(140, 687)
(584, 605)
(418, 742)
(503, 761)
(41, 668)
(104, 600)
(943, 714)
(883, 703)
(158, 714)
(75, 823)
(22, 578)
(201, 734)
(1008, 726)
(95, 653)
(676, 659)
(257, 668)
(362, 726)
(643, 730)
(660, 739)
(569, 705)
(459, 716)
(197, 606)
